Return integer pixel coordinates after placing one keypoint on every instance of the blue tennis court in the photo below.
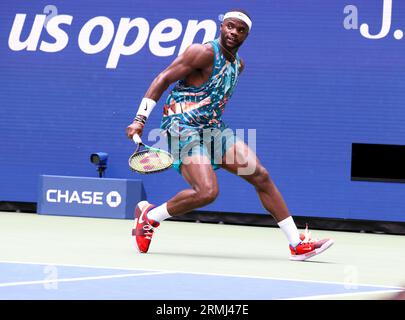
(76, 258)
(37, 281)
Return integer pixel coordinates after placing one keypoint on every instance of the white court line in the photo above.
(342, 295)
(295, 280)
(211, 274)
(26, 283)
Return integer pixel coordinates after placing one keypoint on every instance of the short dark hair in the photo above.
(240, 10)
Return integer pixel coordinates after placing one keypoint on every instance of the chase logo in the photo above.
(113, 199)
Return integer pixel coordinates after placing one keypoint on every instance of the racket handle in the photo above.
(137, 139)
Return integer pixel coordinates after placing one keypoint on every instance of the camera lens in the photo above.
(95, 159)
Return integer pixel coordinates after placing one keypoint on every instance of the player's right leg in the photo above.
(198, 172)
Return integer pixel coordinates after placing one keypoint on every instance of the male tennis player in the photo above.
(206, 76)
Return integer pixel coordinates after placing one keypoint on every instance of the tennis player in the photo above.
(206, 75)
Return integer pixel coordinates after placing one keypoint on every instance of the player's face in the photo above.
(233, 33)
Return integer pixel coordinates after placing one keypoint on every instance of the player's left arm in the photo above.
(242, 65)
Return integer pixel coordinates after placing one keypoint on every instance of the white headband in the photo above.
(240, 16)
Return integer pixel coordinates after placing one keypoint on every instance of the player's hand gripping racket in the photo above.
(149, 160)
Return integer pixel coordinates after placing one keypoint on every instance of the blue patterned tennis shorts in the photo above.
(213, 143)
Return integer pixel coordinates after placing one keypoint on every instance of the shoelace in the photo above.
(307, 235)
(148, 231)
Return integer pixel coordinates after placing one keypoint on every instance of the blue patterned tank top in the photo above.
(202, 107)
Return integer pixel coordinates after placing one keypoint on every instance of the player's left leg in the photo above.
(242, 161)
(239, 159)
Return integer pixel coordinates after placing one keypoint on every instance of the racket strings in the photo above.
(149, 161)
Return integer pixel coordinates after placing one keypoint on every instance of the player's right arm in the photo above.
(196, 57)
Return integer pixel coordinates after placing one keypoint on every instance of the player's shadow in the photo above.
(228, 256)
(218, 256)
(315, 261)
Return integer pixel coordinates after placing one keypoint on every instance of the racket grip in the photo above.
(137, 139)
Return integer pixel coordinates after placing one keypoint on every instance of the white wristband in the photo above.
(146, 107)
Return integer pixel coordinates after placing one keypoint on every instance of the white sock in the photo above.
(159, 213)
(290, 230)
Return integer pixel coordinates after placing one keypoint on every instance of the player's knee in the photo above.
(208, 195)
(260, 177)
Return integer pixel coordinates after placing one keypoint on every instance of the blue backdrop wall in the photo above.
(315, 82)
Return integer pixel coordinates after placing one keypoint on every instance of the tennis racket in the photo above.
(149, 160)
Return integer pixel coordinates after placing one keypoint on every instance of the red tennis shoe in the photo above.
(143, 227)
(309, 247)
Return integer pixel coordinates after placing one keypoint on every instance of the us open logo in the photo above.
(159, 38)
